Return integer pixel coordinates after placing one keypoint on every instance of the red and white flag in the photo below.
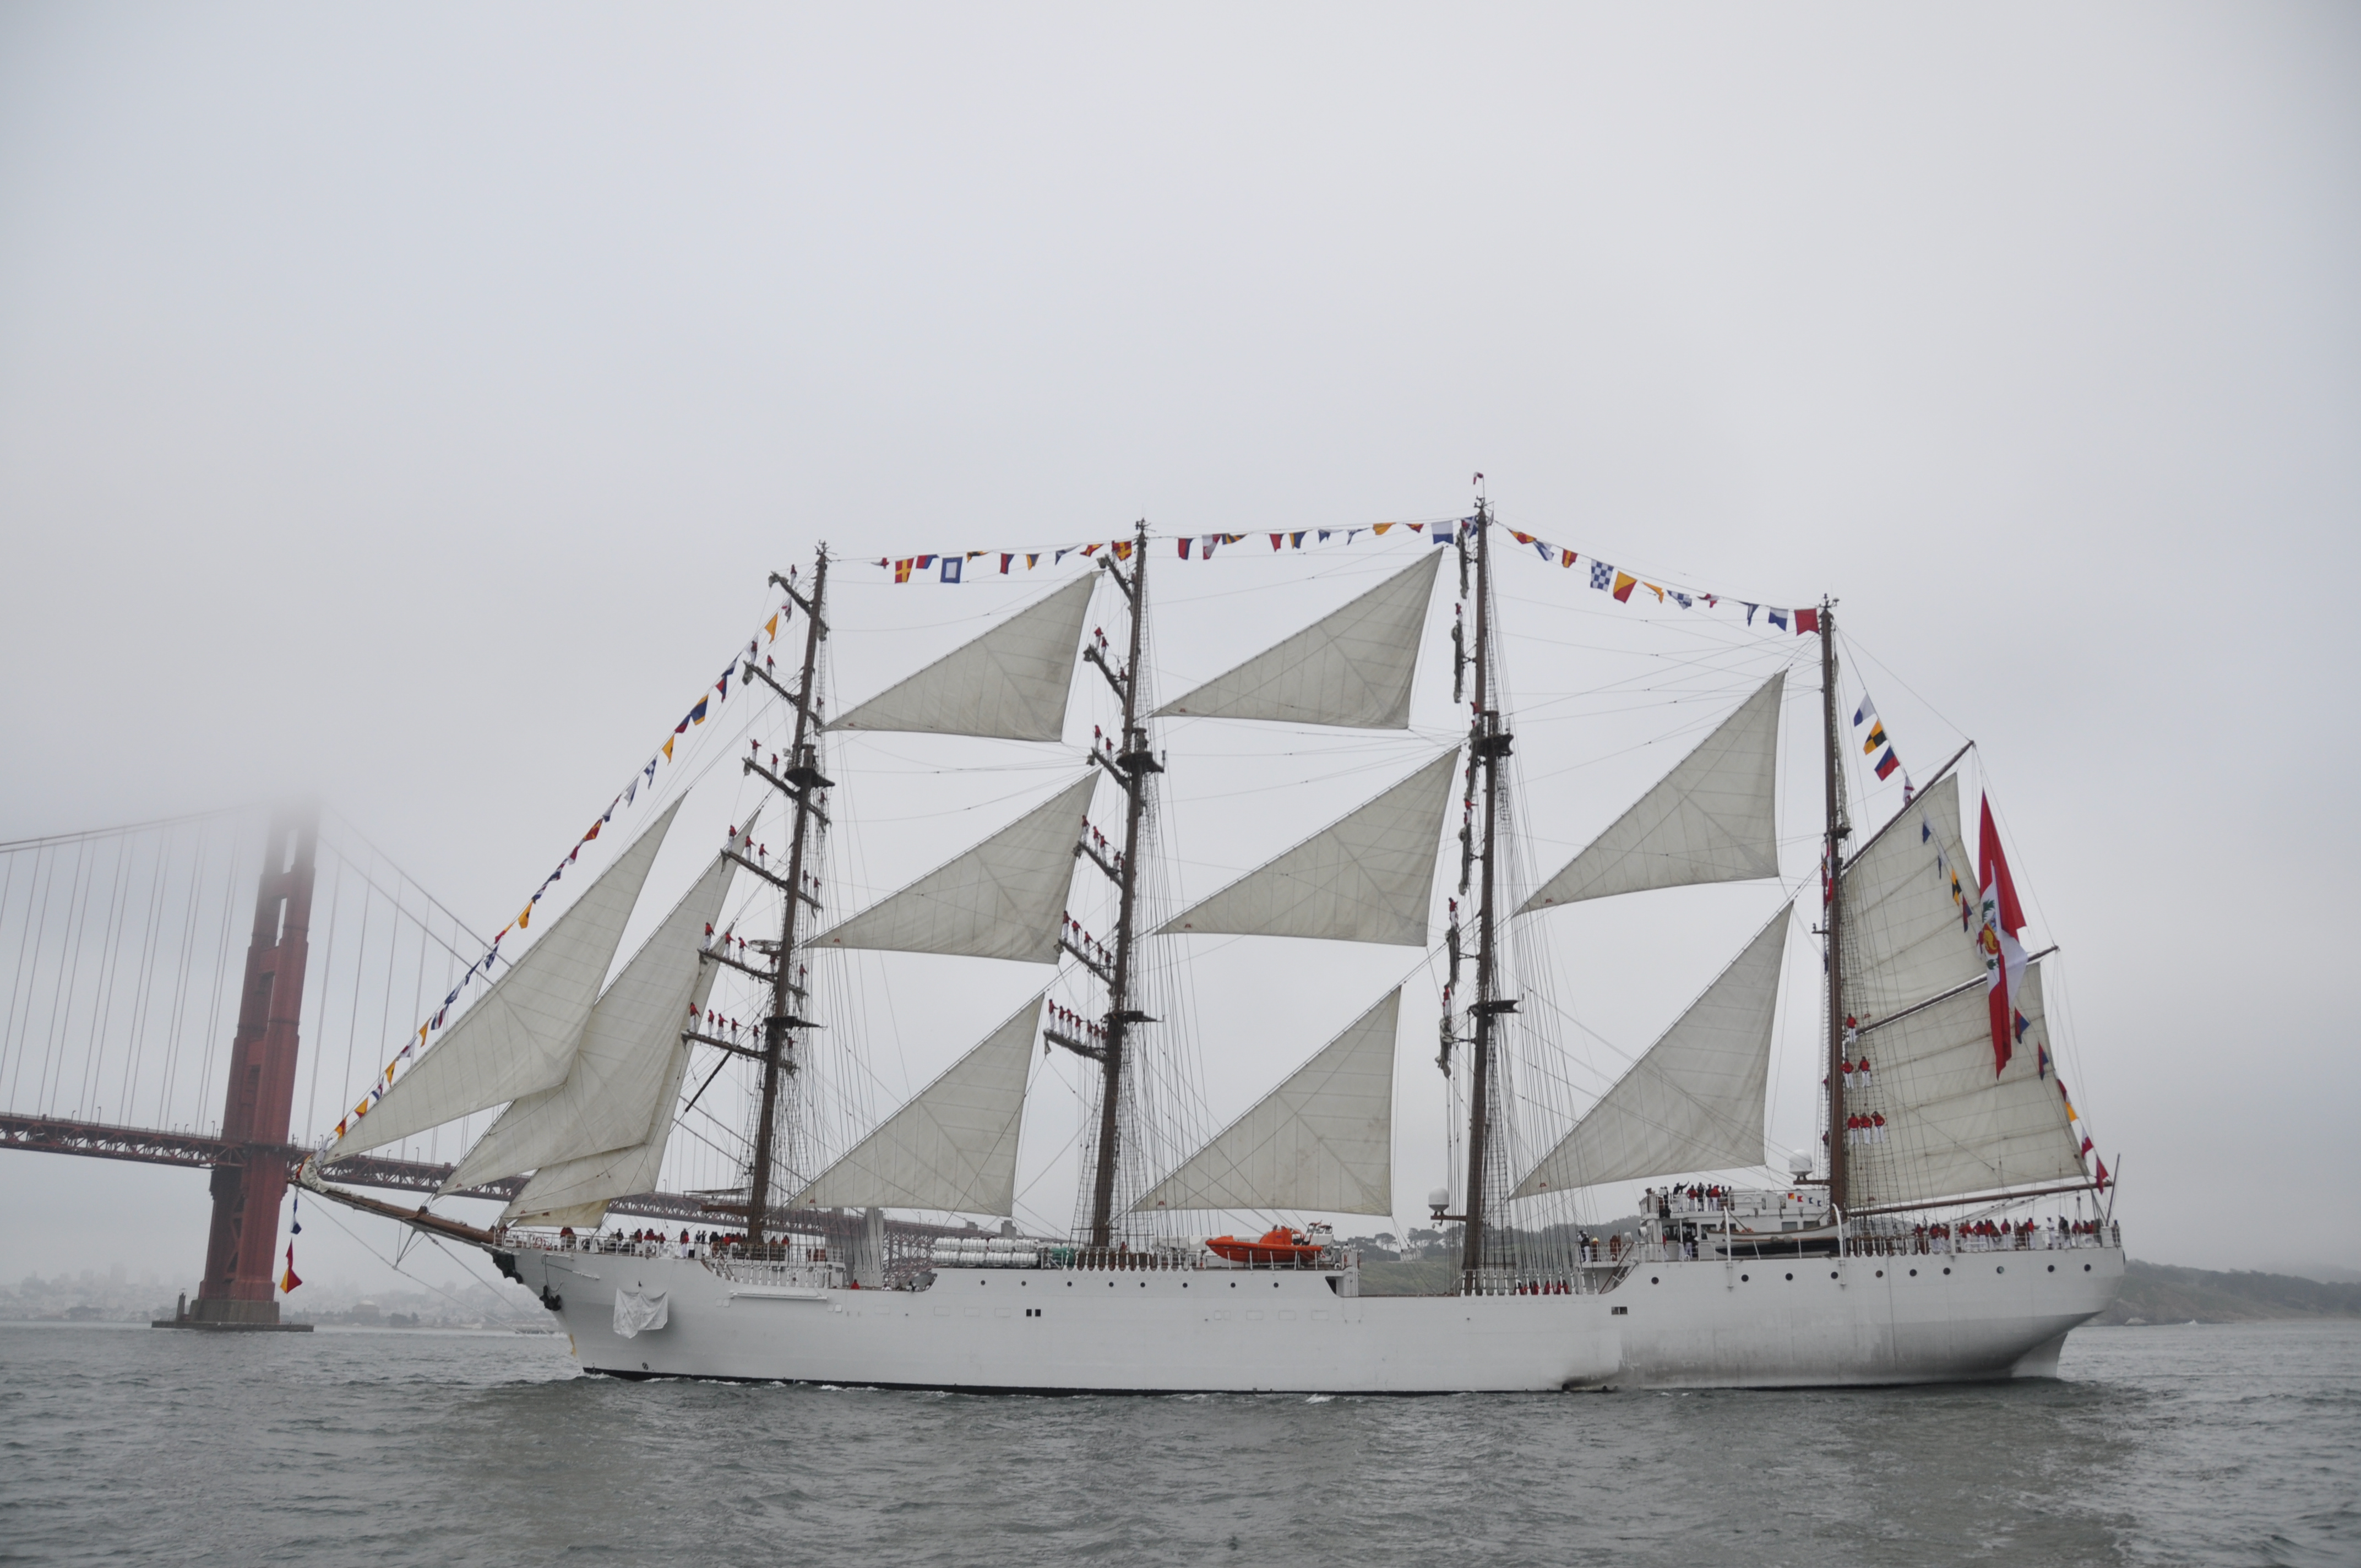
(2004, 956)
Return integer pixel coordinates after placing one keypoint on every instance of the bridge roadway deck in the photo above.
(197, 1151)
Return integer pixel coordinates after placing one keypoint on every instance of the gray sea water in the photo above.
(2165, 1446)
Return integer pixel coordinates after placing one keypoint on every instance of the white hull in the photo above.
(1975, 1316)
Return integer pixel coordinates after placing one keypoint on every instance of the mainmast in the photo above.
(1134, 764)
(802, 784)
(1488, 743)
(1833, 922)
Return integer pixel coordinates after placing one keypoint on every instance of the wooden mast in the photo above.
(1490, 743)
(802, 784)
(1833, 921)
(1134, 765)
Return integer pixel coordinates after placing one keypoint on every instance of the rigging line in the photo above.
(400, 905)
(110, 964)
(48, 840)
(70, 965)
(329, 1210)
(9, 1038)
(142, 988)
(351, 1022)
(227, 924)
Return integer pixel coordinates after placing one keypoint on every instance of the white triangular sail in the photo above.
(1952, 1124)
(953, 1147)
(1712, 818)
(1694, 1102)
(521, 1034)
(1320, 1143)
(1004, 899)
(1366, 877)
(611, 1096)
(1906, 941)
(577, 1191)
(1011, 683)
(1352, 667)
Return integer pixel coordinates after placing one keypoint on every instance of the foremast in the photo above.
(803, 784)
(1133, 768)
(1488, 743)
(1832, 923)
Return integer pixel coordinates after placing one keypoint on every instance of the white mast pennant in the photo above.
(1351, 668)
(953, 1147)
(1322, 1142)
(1953, 1126)
(1010, 683)
(1713, 819)
(520, 1033)
(1366, 877)
(609, 1099)
(1899, 914)
(1004, 899)
(1694, 1102)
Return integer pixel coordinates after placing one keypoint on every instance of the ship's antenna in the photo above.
(1832, 923)
(1488, 742)
(1134, 765)
(803, 784)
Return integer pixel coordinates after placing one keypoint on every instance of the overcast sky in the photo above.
(406, 405)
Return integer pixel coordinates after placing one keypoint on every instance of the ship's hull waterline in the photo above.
(1750, 1324)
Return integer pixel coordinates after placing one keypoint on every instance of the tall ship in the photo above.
(1952, 1222)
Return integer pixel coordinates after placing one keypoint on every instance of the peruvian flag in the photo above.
(2004, 956)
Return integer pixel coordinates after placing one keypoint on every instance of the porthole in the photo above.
(1653, 1280)
(1947, 1271)
(1914, 1273)
(1832, 1274)
(2086, 1268)
(1745, 1278)
(1881, 1274)
(2053, 1268)
(2000, 1268)
(1791, 1276)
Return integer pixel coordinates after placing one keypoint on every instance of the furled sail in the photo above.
(1951, 1126)
(1905, 939)
(1694, 1100)
(1712, 818)
(1004, 899)
(953, 1147)
(1011, 683)
(1366, 877)
(1352, 667)
(1322, 1142)
(609, 1099)
(521, 1034)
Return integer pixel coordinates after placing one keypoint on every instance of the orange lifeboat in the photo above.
(1279, 1246)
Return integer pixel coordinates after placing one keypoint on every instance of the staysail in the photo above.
(1352, 668)
(1366, 877)
(1713, 819)
(1907, 939)
(521, 1034)
(1694, 1102)
(953, 1147)
(1322, 1142)
(577, 1191)
(1004, 899)
(1950, 1126)
(610, 1096)
(1010, 683)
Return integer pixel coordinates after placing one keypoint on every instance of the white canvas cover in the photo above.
(1366, 877)
(636, 1313)
(953, 1147)
(1352, 667)
(1320, 1143)
(1904, 941)
(1953, 1126)
(1694, 1100)
(1011, 683)
(609, 1098)
(520, 1033)
(1004, 899)
(1713, 819)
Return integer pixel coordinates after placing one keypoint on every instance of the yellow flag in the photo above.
(1655, 590)
(668, 747)
(1381, 527)
(772, 626)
